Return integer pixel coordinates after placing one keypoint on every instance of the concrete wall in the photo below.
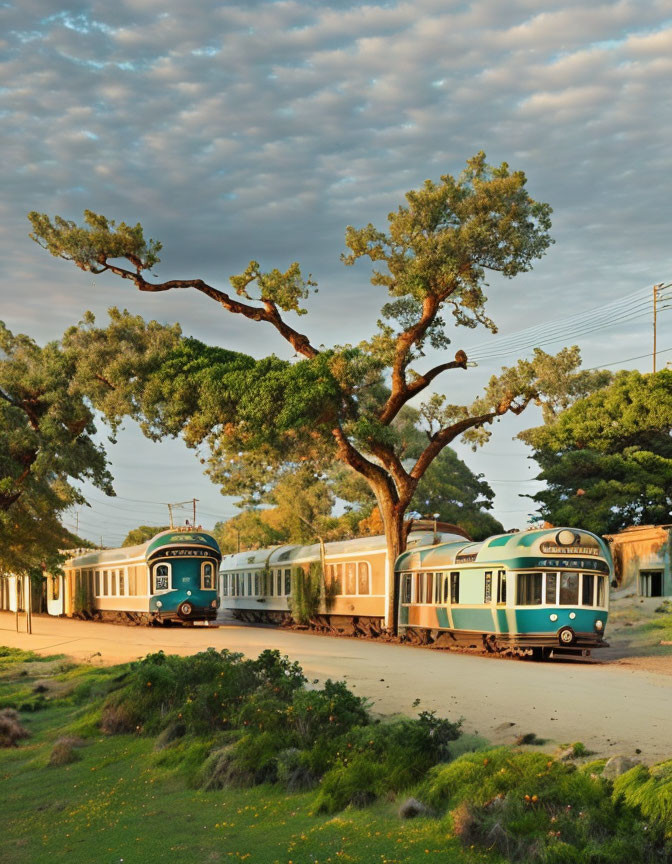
(645, 548)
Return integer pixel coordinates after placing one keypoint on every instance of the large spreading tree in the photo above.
(348, 402)
(607, 459)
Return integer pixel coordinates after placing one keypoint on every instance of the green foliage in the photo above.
(89, 247)
(307, 591)
(649, 789)
(142, 534)
(607, 460)
(530, 807)
(46, 447)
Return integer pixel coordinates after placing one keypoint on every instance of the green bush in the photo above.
(532, 808)
(650, 789)
(358, 782)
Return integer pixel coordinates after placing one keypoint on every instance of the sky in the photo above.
(262, 129)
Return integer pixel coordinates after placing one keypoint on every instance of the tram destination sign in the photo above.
(186, 553)
(552, 549)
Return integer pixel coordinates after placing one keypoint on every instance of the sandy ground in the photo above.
(611, 707)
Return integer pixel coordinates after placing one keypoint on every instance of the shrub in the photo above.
(532, 808)
(65, 751)
(11, 729)
(294, 772)
(357, 783)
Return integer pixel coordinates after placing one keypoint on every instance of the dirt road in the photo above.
(611, 708)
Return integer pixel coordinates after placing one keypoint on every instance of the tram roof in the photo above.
(502, 547)
(277, 556)
(127, 553)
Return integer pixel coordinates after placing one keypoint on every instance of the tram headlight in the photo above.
(599, 624)
(554, 617)
(159, 604)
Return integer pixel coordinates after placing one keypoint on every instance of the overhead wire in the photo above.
(622, 311)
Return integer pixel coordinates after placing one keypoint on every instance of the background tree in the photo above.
(46, 446)
(607, 460)
(142, 534)
(433, 258)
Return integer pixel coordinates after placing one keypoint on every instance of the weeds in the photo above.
(11, 729)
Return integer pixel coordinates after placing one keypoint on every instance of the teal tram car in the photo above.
(540, 592)
(172, 577)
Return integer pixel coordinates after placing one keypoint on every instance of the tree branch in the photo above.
(444, 436)
(268, 313)
(396, 401)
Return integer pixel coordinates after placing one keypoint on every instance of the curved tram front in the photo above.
(539, 593)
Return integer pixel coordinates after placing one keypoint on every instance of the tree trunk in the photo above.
(395, 536)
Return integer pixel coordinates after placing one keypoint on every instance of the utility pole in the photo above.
(656, 288)
(170, 515)
(194, 500)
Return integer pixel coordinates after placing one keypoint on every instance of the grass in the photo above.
(124, 800)
(140, 797)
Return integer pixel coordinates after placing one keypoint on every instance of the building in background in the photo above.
(642, 560)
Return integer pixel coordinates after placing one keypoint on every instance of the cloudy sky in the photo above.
(262, 129)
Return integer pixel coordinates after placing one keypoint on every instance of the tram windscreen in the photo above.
(569, 589)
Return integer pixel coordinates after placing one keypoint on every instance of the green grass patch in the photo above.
(215, 758)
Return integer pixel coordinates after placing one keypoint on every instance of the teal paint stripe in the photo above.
(501, 541)
(502, 622)
(538, 620)
(442, 617)
(472, 619)
(529, 539)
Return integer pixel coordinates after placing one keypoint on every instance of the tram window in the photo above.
(338, 578)
(487, 588)
(225, 584)
(122, 587)
(97, 583)
(363, 578)
(113, 582)
(429, 587)
(288, 581)
(552, 589)
(529, 589)
(350, 578)
(437, 587)
(501, 587)
(106, 584)
(569, 589)
(587, 589)
(279, 582)
(446, 582)
(161, 577)
(406, 587)
(454, 587)
(249, 584)
(419, 587)
(601, 581)
(207, 576)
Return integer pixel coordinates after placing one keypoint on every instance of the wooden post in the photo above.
(655, 309)
(29, 604)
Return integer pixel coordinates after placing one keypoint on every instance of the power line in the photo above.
(639, 297)
(620, 311)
